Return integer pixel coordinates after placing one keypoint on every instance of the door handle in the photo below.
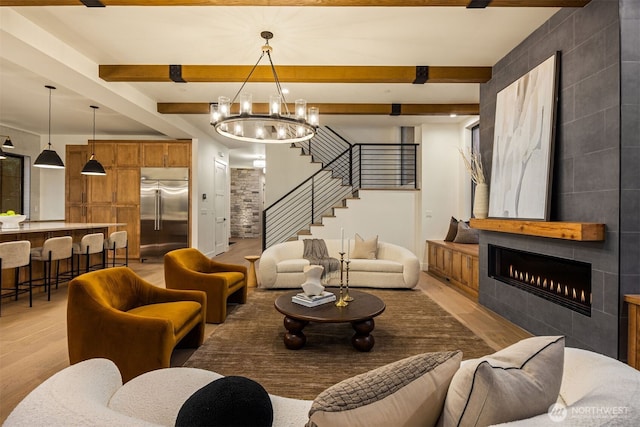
(156, 223)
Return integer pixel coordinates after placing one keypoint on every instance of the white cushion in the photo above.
(520, 381)
(292, 266)
(157, 396)
(377, 265)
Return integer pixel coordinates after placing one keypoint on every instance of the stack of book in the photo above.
(315, 300)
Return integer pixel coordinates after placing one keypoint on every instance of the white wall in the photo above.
(370, 135)
(388, 214)
(445, 185)
(286, 168)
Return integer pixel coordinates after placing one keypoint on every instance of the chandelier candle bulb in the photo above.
(245, 104)
(314, 116)
(224, 106)
(274, 105)
(301, 109)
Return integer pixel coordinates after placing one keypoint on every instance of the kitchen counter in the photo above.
(38, 231)
(50, 226)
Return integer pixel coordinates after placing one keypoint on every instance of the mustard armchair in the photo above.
(117, 315)
(189, 268)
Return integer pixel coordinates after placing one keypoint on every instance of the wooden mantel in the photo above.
(578, 231)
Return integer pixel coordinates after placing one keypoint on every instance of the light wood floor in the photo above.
(33, 342)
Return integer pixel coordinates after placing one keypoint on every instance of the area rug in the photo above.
(250, 343)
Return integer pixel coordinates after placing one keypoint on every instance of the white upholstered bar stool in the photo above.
(89, 244)
(53, 249)
(15, 255)
(118, 240)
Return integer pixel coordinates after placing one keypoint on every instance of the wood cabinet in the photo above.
(116, 196)
(633, 349)
(166, 154)
(455, 262)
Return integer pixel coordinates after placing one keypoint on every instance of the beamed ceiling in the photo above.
(153, 67)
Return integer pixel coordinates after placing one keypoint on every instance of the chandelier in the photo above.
(277, 126)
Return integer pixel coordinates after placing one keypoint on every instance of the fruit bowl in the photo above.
(12, 221)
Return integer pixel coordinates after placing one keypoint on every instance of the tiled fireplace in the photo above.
(594, 178)
(582, 303)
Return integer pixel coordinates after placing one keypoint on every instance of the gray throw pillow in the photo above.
(466, 234)
(453, 230)
(406, 393)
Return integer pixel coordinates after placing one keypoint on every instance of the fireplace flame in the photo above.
(539, 281)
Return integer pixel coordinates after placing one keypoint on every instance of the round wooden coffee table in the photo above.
(360, 313)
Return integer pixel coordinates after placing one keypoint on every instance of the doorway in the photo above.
(220, 208)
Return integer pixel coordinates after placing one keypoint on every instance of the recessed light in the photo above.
(453, 115)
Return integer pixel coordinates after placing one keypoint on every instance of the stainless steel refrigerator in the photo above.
(164, 211)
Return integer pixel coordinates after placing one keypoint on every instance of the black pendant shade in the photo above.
(49, 159)
(93, 167)
(7, 143)
(2, 156)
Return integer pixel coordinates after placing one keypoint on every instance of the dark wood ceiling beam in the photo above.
(294, 74)
(337, 109)
(332, 3)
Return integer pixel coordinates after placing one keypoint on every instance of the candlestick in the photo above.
(347, 297)
(341, 302)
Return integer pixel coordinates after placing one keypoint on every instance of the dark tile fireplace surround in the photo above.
(591, 325)
(595, 176)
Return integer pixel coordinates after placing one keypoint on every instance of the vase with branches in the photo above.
(473, 164)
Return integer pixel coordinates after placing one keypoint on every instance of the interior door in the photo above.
(220, 178)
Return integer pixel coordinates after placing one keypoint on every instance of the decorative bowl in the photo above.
(12, 221)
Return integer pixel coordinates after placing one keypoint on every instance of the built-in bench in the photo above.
(456, 263)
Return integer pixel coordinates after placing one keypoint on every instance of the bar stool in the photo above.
(89, 244)
(15, 255)
(118, 240)
(53, 249)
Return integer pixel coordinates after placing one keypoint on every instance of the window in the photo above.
(475, 148)
(13, 177)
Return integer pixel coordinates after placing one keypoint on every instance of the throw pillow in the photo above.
(365, 249)
(228, 401)
(519, 382)
(466, 234)
(453, 230)
(408, 392)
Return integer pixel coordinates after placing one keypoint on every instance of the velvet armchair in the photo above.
(189, 268)
(117, 315)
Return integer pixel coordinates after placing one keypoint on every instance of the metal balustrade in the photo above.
(357, 166)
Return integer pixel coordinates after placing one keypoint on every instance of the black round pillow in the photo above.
(228, 401)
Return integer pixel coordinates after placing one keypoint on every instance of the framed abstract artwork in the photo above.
(523, 142)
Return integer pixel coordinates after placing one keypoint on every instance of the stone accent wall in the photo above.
(247, 195)
(586, 174)
(630, 154)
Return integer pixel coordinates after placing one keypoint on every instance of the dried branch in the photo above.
(473, 164)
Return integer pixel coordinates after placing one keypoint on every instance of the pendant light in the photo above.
(2, 156)
(278, 126)
(7, 142)
(93, 167)
(49, 159)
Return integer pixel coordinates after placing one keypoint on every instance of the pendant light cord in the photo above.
(49, 116)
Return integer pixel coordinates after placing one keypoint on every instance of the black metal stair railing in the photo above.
(359, 166)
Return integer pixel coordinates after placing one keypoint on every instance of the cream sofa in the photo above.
(282, 265)
(596, 390)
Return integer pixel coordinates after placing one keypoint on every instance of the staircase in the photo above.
(346, 169)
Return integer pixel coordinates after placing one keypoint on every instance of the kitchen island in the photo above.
(38, 231)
